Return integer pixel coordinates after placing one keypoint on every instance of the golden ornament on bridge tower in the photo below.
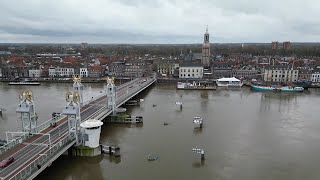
(27, 95)
(76, 97)
(68, 94)
(76, 78)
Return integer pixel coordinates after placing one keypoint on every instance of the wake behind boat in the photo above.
(24, 83)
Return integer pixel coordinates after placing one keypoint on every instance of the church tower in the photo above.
(205, 60)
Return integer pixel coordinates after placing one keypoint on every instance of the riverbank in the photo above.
(66, 80)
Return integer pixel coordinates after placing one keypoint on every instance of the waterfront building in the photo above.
(34, 73)
(281, 73)
(167, 68)
(304, 74)
(117, 69)
(193, 71)
(84, 72)
(315, 76)
(61, 72)
(246, 72)
(52, 72)
(221, 70)
(134, 69)
(206, 49)
(95, 71)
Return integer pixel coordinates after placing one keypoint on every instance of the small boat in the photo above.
(24, 83)
(277, 89)
(153, 157)
(195, 86)
(197, 120)
(262, 88)
(229, 82)
(292, 89)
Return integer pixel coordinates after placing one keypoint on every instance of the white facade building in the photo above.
(92, 129)
(83, 72)
(61, 72)
(34, 73)
(281, 74)
(315, 76)
(52, 72)
(191, 71)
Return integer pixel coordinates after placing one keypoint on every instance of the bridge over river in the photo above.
(33, 152)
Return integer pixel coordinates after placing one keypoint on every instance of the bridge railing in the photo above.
(133, 91)
(49, 122)
(104, 93)
(41, 160)
(13, 143)
(120, 99)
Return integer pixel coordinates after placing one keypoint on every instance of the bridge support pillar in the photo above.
(27, 110)
(72, 110)
(111, 95)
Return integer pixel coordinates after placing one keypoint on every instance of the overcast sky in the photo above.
(158, 21)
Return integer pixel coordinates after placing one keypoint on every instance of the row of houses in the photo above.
(130, 68)
(194, 70)
(278, 73)
(117, 69)
(18, 72)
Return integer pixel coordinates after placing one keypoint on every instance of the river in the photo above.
(246, 135)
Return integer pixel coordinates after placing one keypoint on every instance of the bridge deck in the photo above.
(36, 151)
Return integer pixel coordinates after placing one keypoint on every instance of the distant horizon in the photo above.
(75, 43)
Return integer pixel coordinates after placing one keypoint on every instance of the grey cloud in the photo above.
(160, 21)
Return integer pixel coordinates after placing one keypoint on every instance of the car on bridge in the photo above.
(6, 162)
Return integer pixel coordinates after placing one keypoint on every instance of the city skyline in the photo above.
(158, 22)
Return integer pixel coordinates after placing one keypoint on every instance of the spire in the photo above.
(207, 32)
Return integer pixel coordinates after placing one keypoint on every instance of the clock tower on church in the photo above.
(205, 60)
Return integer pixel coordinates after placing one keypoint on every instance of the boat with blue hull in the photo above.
(277, 89)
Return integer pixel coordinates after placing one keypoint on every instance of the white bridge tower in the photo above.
(27, 110)
(72, 110)
(111, 95)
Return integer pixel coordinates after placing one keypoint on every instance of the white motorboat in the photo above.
(229, 82)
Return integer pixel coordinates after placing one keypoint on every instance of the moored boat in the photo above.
(277, 89)
(195, 86)
(229, 82)
(262, 88)
(24, 83)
